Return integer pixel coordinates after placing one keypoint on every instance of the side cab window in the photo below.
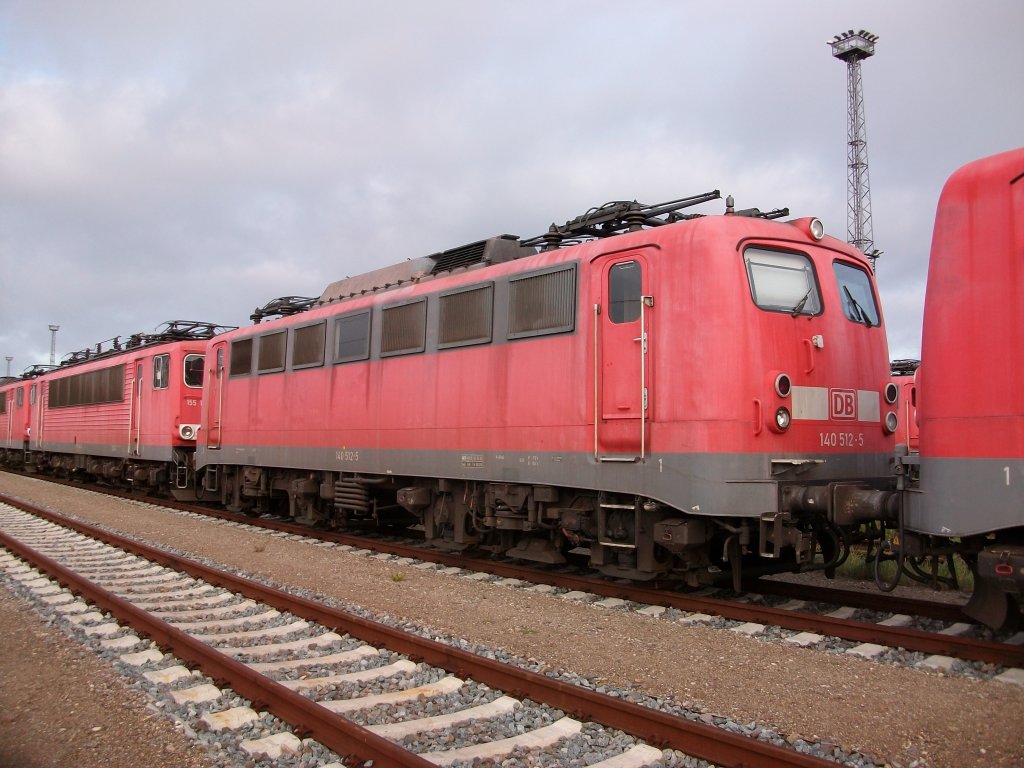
(161, 371)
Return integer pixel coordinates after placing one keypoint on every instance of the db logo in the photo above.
(842, 404)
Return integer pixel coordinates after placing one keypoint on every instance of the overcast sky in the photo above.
(193, 160)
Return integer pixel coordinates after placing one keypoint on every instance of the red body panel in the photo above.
(712, 360)
(972, 389)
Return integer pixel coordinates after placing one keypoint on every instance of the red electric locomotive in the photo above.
(127, 413)
(965, 492)
(18, 397)
(903, 377)
(672, 395)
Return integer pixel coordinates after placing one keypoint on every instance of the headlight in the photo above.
(817, 229)
(783, 385)
(782, 419)
(891, 422)
(188, 431)
(891, 393)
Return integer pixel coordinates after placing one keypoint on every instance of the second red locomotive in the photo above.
(124, 412)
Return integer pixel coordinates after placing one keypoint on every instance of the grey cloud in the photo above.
(198, 159)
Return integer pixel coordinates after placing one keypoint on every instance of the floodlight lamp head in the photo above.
(853, 45)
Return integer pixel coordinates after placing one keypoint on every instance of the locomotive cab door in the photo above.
(214, 404)
(135, 415)
(622, 382)
(9, 413)
(35, 416)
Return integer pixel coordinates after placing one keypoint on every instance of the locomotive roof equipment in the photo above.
(172, 330)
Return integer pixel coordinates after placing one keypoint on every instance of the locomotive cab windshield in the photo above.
(858, 300)
(782, 281)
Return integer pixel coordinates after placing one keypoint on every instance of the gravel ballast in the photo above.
(61, 706)
(904, 716)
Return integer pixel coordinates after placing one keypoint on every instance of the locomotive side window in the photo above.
(624, 289)
(352, 337)
(92, 388)
(3, 403)
(161, 371)
(32, 395)
(55, 392)
(271, 354)
(241, 357)
(308, 345)
(466, 316)
(855, 294)
(542, 303)
(193, 371)
(21, 397)
(782, 282)
(403, 328)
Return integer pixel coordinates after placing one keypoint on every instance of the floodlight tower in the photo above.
(53, 344)
(853, 47)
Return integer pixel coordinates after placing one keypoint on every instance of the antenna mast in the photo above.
(853, 47)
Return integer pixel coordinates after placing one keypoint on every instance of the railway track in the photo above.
(873, 623)
(364, 690)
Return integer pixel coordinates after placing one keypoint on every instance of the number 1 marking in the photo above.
(1007, 471)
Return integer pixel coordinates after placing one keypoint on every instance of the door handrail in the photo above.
(645, 302)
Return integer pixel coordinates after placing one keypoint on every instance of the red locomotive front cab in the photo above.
(771, 379)
(16, 396)
(967, 490)
(972, 387)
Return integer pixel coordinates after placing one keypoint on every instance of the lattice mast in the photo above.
(853, 47)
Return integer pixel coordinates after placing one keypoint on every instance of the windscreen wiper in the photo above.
(800, 304)
(862, 316)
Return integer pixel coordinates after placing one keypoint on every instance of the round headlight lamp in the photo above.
(891, 422)
(782, 418)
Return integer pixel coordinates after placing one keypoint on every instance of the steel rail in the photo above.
(852, 630)
(846, 629)
(875, 601)
(306, 716)
(659, 728)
